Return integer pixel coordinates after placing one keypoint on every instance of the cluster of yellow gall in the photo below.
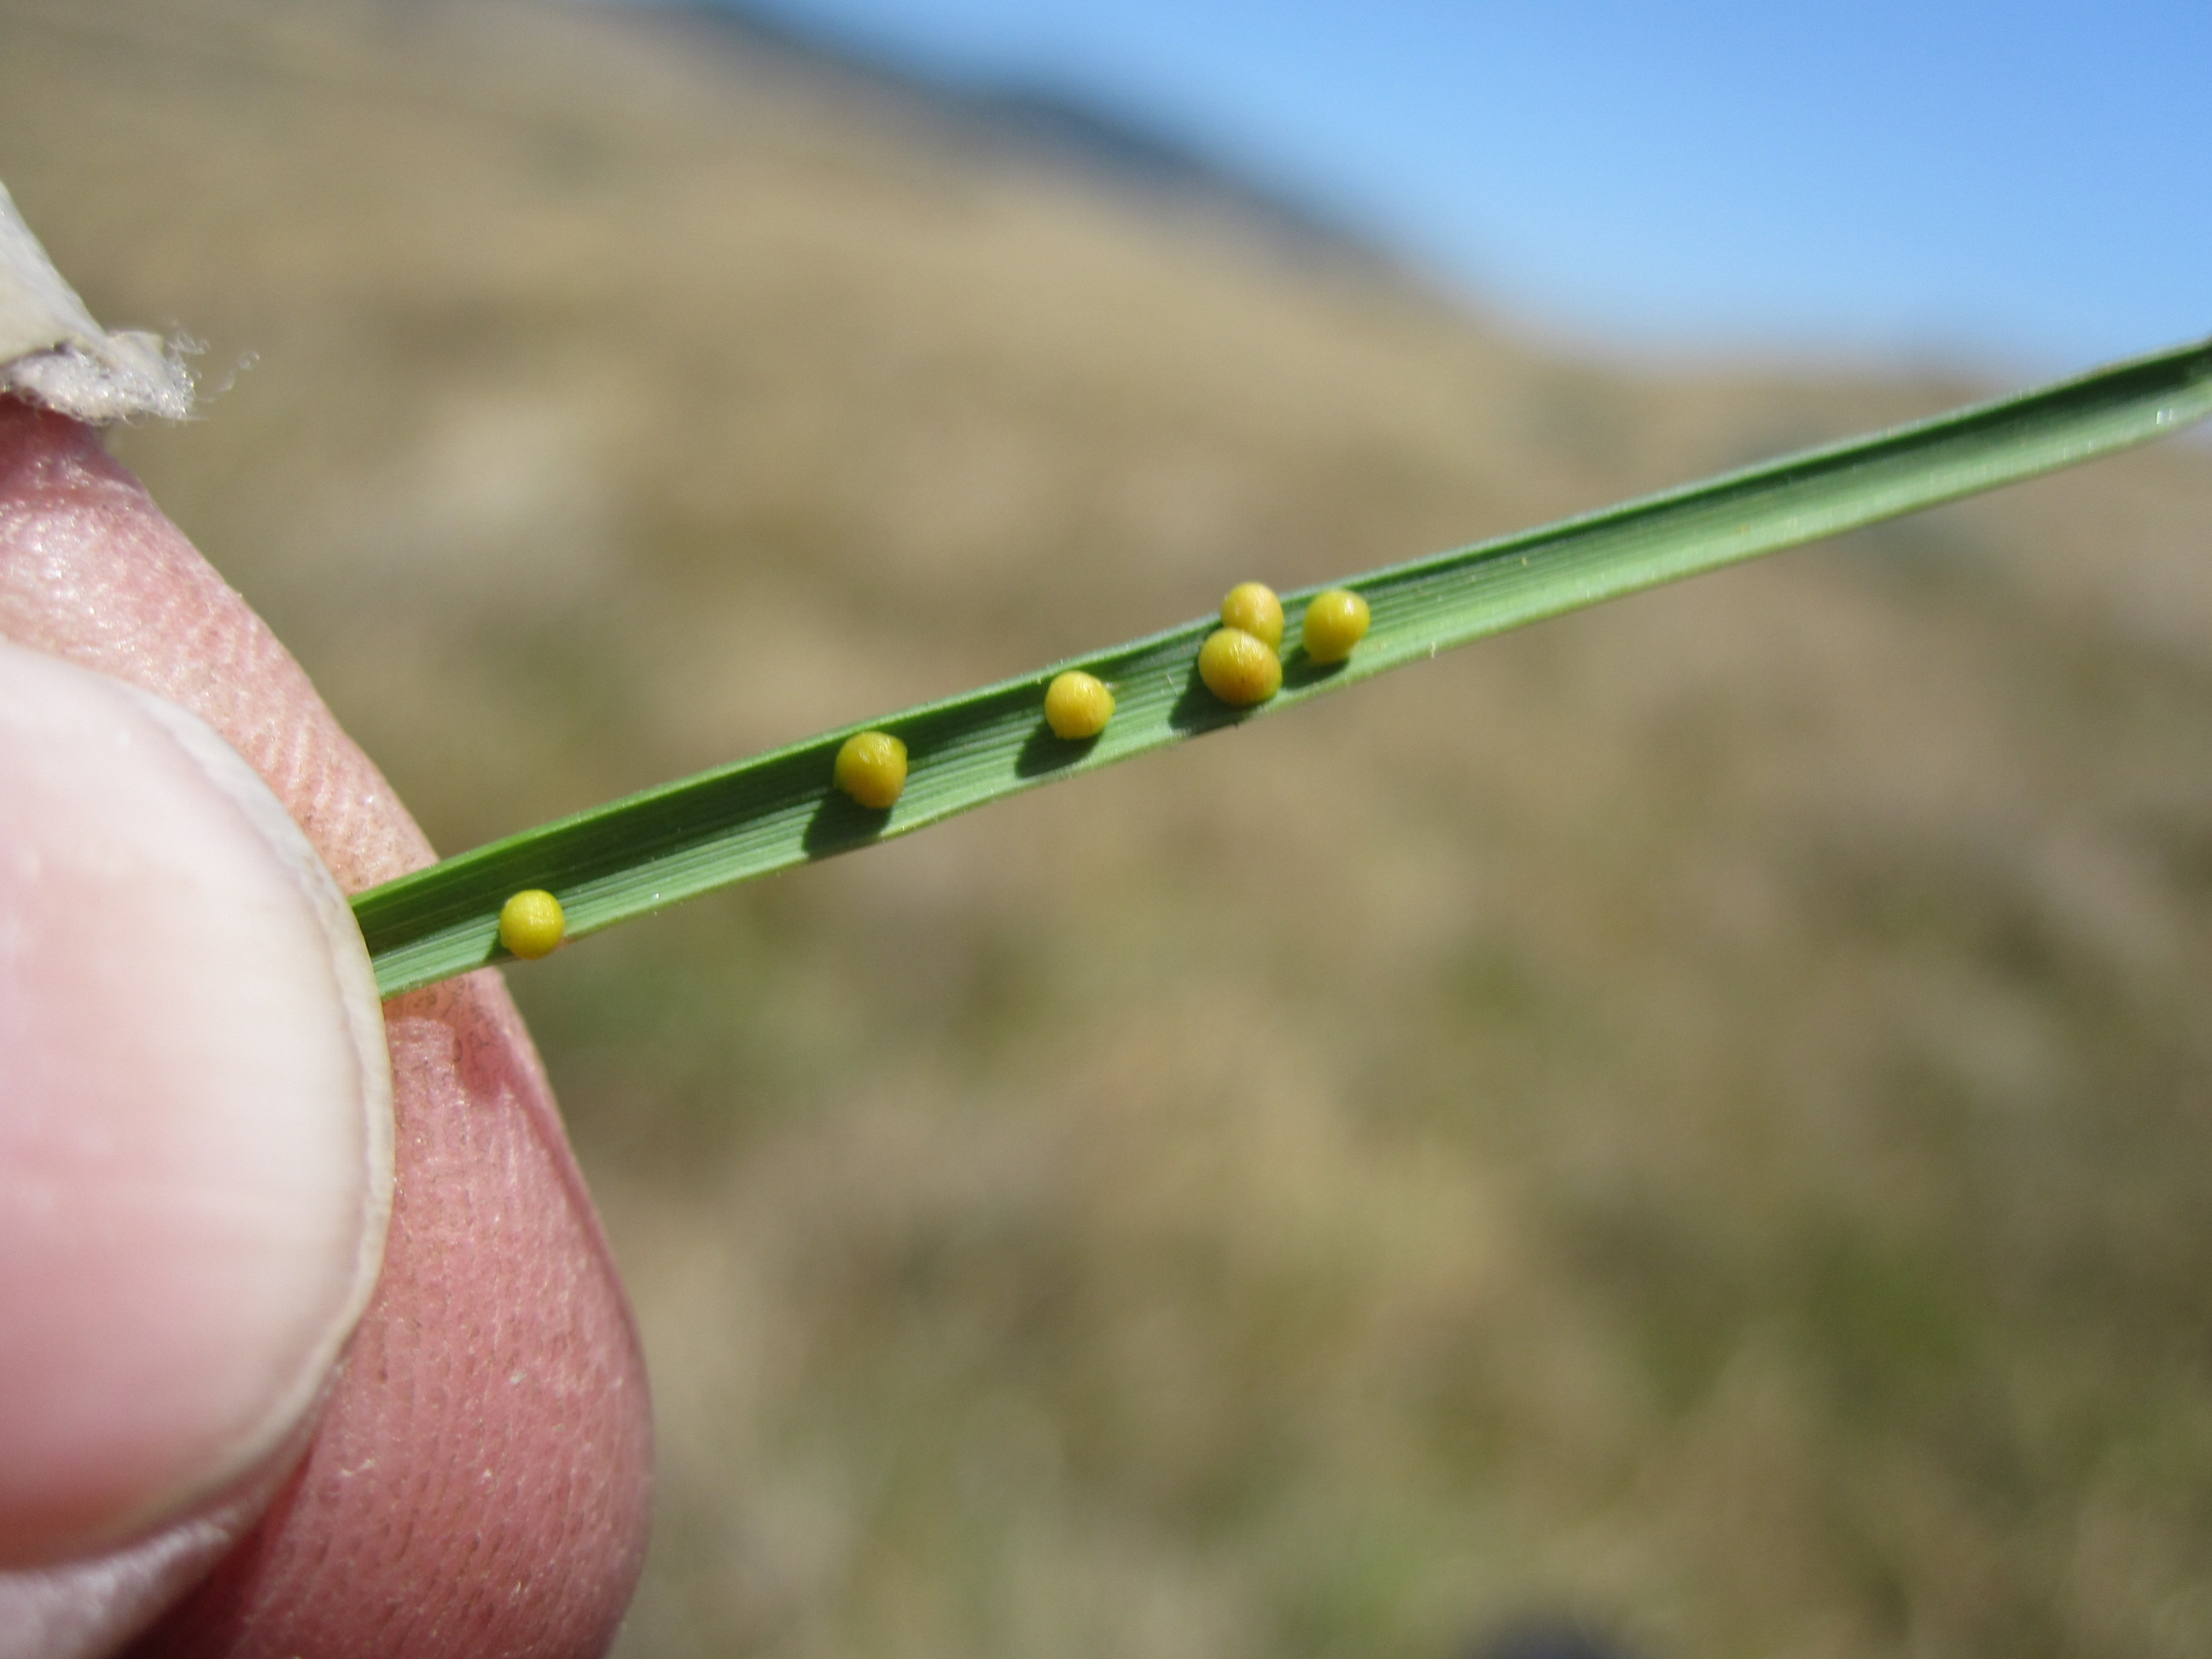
(1239, 661)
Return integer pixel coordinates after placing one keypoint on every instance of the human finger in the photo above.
(477, 1481)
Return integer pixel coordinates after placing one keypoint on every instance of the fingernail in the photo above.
(194, 1114)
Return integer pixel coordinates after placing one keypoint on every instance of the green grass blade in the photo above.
(647, 852)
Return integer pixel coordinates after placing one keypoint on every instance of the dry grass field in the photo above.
(1699, 1114)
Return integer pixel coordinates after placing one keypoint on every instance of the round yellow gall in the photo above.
(1253, 607)
(871, 769)
(531, 924)
(1077, 705)
(1239, 668)
(1335, 622)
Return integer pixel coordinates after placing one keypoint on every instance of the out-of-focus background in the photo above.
(1696, 1118)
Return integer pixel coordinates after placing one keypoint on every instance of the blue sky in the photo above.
(2024, 186)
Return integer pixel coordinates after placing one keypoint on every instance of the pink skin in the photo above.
(477, 1481)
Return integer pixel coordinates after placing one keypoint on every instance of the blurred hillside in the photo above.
(1699, 1113)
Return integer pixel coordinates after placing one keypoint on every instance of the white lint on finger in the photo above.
(53, 353)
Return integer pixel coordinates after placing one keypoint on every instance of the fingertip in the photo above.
(195, 1112)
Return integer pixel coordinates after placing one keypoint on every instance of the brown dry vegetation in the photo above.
(1700, 1113)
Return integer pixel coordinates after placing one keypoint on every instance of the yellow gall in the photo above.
(1253, 607)
(1335, 622)
(1077, 705)
(1239, 668)
(531, 924)
(871, 769)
